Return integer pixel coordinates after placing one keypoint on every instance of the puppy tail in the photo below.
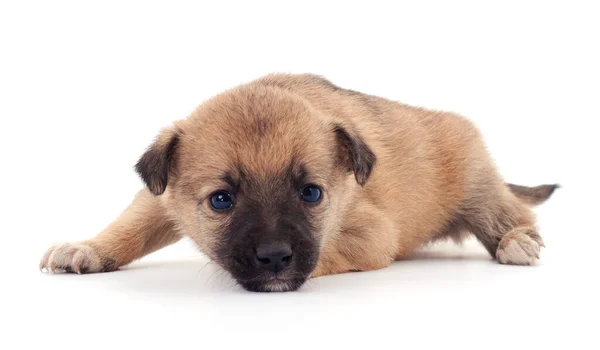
(533, 195)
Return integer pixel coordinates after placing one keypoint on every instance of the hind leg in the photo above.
(521, 246)
(505, 226)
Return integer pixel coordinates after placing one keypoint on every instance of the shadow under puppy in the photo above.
(289, 177)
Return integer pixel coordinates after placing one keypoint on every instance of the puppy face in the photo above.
(258, 180)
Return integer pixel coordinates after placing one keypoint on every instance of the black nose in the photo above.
(274, 257)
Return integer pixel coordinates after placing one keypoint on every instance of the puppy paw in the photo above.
(75, 257)
(521, 246)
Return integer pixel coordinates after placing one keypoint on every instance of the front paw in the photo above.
(75, 257)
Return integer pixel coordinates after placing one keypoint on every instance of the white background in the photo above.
(85, 87)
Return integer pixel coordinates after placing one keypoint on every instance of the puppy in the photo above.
(289, 177)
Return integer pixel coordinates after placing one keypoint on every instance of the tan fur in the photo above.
(140, 230)
(433, 179)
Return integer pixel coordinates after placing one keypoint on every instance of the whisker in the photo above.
(211, 276)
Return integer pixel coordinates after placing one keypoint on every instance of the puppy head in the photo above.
(259, 180)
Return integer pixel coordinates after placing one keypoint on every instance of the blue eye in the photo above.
(221, 200)
(310, 193)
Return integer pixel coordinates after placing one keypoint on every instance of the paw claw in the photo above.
(538, 240)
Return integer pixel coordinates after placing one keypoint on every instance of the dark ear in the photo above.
(155, 165)
(355, 154)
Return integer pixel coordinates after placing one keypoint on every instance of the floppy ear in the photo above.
(157, 162)
(355, 154)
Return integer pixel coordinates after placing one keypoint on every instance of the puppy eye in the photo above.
(221, 200)
(310, 193)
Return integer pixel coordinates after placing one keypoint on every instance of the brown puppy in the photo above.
(290, 176)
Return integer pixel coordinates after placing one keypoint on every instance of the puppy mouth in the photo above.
(255, 279)
(273, 284)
